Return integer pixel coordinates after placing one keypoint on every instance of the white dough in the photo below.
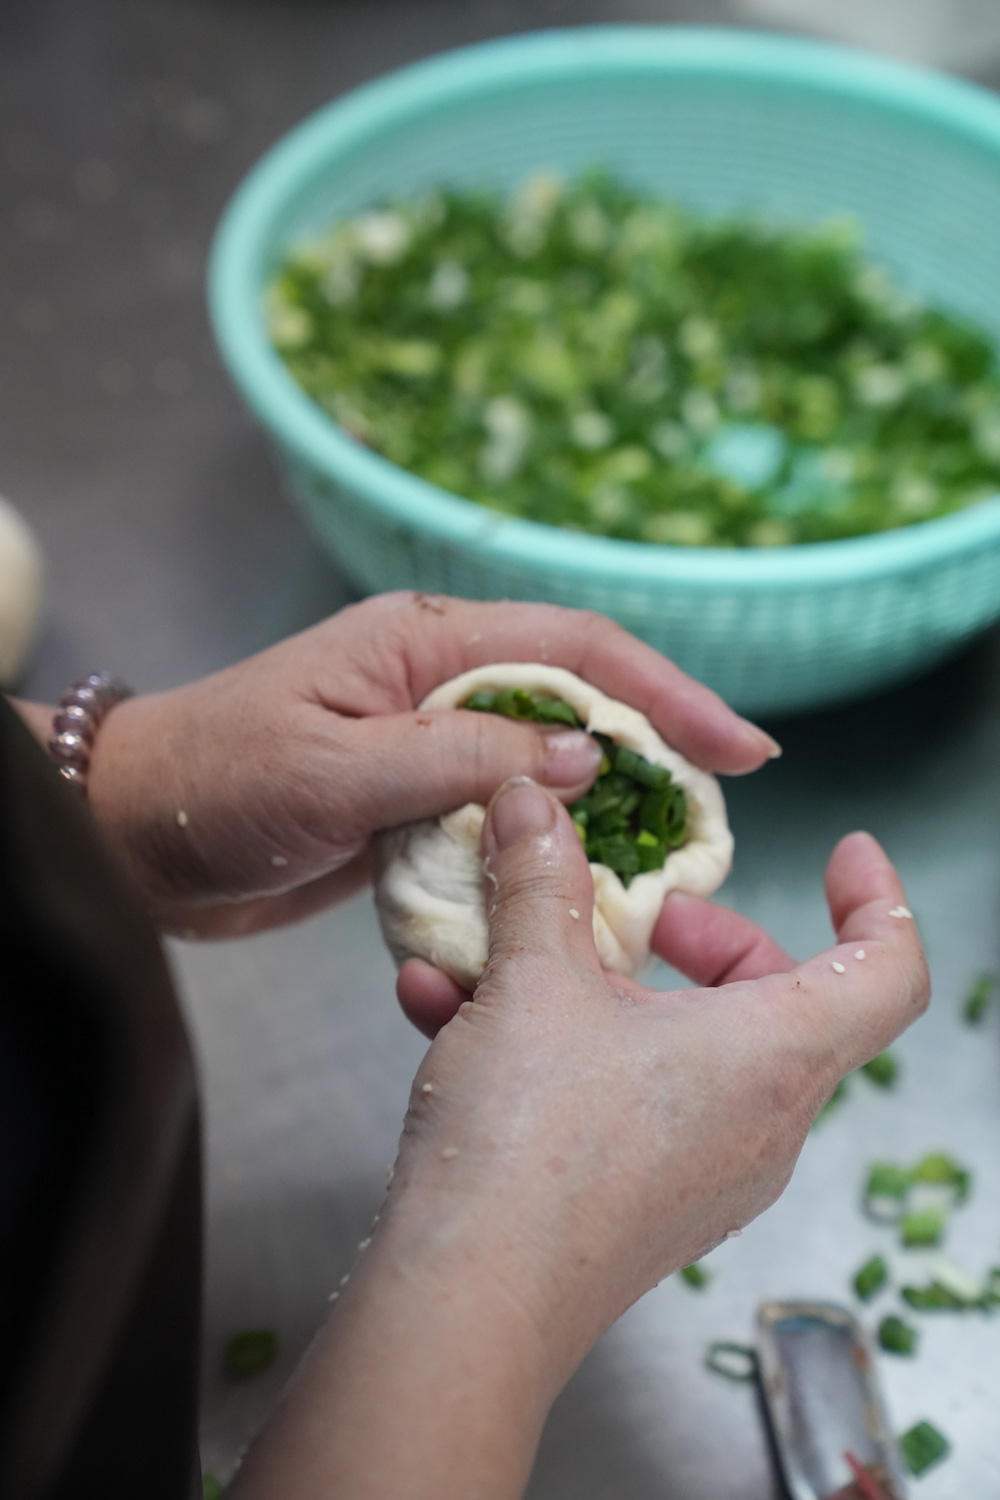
(429, 888)
(20, 591)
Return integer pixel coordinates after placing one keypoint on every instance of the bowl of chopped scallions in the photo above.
(695, 328)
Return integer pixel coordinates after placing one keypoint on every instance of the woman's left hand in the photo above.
(247, 800)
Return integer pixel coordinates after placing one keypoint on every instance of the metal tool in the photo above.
(825, 1408)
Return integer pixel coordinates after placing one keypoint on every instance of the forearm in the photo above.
(430, 1381)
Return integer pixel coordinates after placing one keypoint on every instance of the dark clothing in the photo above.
(100, 1195)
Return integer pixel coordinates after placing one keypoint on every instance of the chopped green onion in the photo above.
(882, 1070)
(933, 1298)
(248, 1352)
(954, 1290)
(515, 703)
(887, 1182)
(211, 1489)
(942, 1171)
(732, 1361)
(923, 1446)
(554, 711)
(590, 356)
(871, 1278)
(922, 1230)
(888, 1190)
(978, 999)
(897, 1337)
(695, 1275)
(632, 816)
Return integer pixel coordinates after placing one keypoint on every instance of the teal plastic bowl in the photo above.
(721, 121)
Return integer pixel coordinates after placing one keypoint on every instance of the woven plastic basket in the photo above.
(721, 121)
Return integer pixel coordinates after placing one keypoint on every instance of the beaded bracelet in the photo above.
(80, 714)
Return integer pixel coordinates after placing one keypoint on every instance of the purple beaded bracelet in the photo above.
(80, 714)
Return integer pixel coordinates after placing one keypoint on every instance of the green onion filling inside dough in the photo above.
(633, 815)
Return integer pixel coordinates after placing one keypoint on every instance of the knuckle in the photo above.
(525, 885)
(590, 623)
(497, 748)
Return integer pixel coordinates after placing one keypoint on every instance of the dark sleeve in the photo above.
(100, 1192)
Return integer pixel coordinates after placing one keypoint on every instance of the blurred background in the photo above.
(125, 125)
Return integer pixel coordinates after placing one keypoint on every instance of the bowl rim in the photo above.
(286, 172)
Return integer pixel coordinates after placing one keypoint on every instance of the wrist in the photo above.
(431, 1379)
(134, 795)
(536, 1301)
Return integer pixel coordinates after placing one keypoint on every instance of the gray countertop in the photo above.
(125, 126)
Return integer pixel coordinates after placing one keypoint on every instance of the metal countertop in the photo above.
(125, 126)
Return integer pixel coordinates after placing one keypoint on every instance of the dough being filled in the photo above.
(429, 889)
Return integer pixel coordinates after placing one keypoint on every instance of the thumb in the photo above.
(416, 765)
(540, 892)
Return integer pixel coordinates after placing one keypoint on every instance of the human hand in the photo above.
(247, 799)
(601, 1134)
(572, 1137)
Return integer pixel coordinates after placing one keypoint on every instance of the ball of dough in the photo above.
(20, 591)
(429, 875)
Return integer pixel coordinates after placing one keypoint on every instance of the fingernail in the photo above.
(570, 756)
(773, 748)
(520, 810)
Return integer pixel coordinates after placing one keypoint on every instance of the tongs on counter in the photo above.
(824, 1406)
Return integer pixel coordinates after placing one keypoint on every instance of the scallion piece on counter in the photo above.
(897, 1337)
(871, 1278)
(732, 1361)
(923, 1446)
(923, 1230)
(249, 1352)
(977, 1001)
(941, 1171)
(881, 1070)
(696, 1275)
(954, 1290)
(934, 1298)
(886, 1189)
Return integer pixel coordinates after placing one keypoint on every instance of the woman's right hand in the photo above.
(572, 1138)
(625, 1130)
